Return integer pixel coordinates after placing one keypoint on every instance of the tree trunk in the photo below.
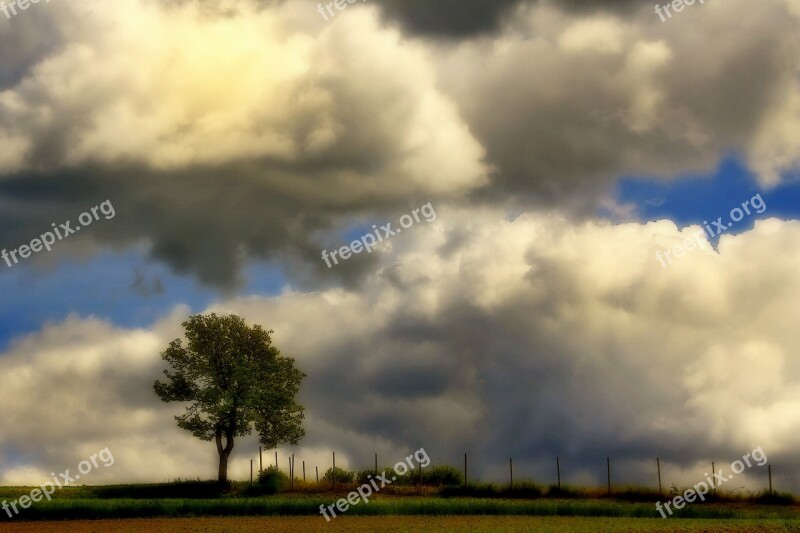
(224, 453)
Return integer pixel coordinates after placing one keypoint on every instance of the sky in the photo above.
(561, 289)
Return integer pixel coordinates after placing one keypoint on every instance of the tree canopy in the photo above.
(236, 381)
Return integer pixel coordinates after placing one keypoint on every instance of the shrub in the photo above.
(363, 476)
(776, 498)
(411, 477)
(524, 489)
(272, 480)
(442, 476)
(344, 476)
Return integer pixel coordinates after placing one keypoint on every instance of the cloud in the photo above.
(234, 136)
(448, 18)
(465, 19)
(587, 98)
(76, 387)
(254, 130)
(532, 337)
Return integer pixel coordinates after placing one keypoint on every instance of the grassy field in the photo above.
(407, 524)
(204, 506)
(308, 505)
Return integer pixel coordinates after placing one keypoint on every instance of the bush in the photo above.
(408, 479)
(343, 476)
(442, 476)
(272, 480)
(363, 476)
(524, 489)
(776, 498)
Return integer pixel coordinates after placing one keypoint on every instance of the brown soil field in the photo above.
(404, 524)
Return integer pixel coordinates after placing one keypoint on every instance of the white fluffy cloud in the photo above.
(260, 128)
(227, 130)
(478, 333)
(254, 86)
(565, 103)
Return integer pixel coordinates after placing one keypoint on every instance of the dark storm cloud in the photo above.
(528, 335)
(467, 18)
(567, 113)
(357, 125)
(281, 184)
(482, 352)
(450, 18)
(192, 225)
(505, 365)
(25, 41)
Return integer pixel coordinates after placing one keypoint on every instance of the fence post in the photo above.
(317, 469)
(714, 477)
(292, 475)
(769, 469)
(304, 471)
(251, 473)
(276, 459)
(260, 461)
(558, 472)
(658, 464)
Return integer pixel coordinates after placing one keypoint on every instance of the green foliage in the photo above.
(272, 480)
(363, 476)
(409, 478)
(521, 489)
(413, 506)
(435, 476)
(344, 476)
(524, 489)
(442, 475)
(235, 382)
(776, 498)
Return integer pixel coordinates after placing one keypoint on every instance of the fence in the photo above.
(557, 472)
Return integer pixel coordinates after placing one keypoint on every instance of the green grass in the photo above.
(205, 498)
(82, 508)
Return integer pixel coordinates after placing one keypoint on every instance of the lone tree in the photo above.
(237, 382)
